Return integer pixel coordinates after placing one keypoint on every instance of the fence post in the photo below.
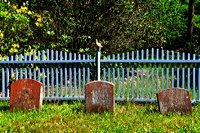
(98, 62)
(98, 58)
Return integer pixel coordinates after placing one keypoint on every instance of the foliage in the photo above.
(170, 14)
(124, 25)
(71, 117)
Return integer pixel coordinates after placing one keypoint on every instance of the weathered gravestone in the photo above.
(26, 94)
(174, 100)
(99, 97)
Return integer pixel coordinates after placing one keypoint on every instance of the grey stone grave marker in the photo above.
(99, 97)
(174, 100)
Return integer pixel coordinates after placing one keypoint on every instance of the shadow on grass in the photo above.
(4, 105)
(76, 105)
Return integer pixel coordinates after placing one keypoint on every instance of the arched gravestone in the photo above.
(99, 97)
(176, 100)
(26, 94)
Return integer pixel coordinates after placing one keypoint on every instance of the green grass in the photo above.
(66, 116)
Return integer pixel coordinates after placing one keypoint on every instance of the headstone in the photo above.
(26, 94)
(99, 97)
(174, 100)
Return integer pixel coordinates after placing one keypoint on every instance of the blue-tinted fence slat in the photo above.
(157, 71)
(147, 75)
(128, 78)
(25, 69)
(123, 76)
(65, 77)
(48, 75)
(199, 80)
(137, 81)
(61, 75)
(188, 75)
(142, 76)
(172, 70)
(109, 69)
(194, 79)
(70, 76)
(52, 75)
(113, 70)
(74, 76)
(118, 77)
(84, 79)
(133, 77)
(21, 74)
(7, 79)
(183, 71)
(162, 65)
(3, 80)
(39, 79)
(178, 69)
(167, 74)
(152, 75)
(79, 77)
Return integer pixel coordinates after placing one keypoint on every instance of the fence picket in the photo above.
(152, 75)
(113, 70)
(122, 76)
(172, 70)
(7, 78)
(147, 74)
(70, 75)
(25, 68)
(61, 75)
(183, 71)
(128, 78)
(199, 81)
(118, 77)
(142, 76)
(194, 79)
(167, 74)
(188, 73)
(162, 65)
(52, 74)
(133, 77)
(137, 81)
(178, 69)
(157, 71)
(48, 74)
(21, 73)
(3, 80)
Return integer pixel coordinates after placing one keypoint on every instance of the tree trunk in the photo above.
(189, 45)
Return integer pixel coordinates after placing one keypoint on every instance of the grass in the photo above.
(64, 116)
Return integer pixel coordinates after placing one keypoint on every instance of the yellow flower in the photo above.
(39, 19)
(18, 10)
(1, 58)
(37, 15)
(38, 24)
(5, 12)
(1, 34)
(13, 50)
(15, 45)
(23, 8)
(29, 12)
(36, 68)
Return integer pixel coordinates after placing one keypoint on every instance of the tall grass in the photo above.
(71, 117)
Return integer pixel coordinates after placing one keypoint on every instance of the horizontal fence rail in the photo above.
(137, 75)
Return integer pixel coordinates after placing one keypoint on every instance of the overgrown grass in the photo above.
(66, 116)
